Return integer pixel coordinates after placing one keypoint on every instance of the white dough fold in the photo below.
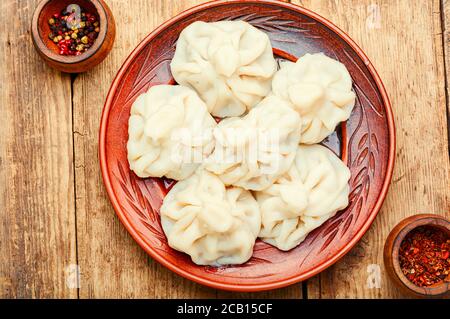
(213, 224)
(311, 192)
(252, 151)
(169, 132)
(319, 88)
(229, 63)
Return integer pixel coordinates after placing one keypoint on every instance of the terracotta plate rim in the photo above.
(274, 284)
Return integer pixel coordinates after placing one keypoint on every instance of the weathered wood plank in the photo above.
(37, 230)
(405, 45)
(445, 25)
(112, 264)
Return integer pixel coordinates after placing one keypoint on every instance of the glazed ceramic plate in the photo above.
(366, 142)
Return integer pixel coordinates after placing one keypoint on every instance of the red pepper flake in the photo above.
(424, 256)
(73, 34)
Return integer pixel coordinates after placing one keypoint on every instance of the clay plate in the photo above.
(366, 142)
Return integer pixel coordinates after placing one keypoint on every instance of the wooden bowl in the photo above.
(49, 51)
(391, 254)
(366, 142)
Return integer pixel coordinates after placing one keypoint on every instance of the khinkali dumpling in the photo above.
(229, 63)
(169, 132)
(251, 152)
(320, 90)
(312, 191)
(213, 224)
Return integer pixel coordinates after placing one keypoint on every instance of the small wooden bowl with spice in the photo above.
(73, 36)
(416, 255)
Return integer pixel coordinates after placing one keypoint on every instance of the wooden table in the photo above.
(55, 213)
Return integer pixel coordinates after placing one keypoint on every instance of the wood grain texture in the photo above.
(445, 24)
(112, 264)
(37, 230)
(405, 45)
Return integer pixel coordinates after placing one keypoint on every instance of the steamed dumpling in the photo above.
(311, 192)
(252, 151)
(229, 63)
(213, 224)
(170, 132)
(320, 90)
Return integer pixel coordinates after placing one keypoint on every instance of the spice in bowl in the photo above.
(424, 256)
(73, 30)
